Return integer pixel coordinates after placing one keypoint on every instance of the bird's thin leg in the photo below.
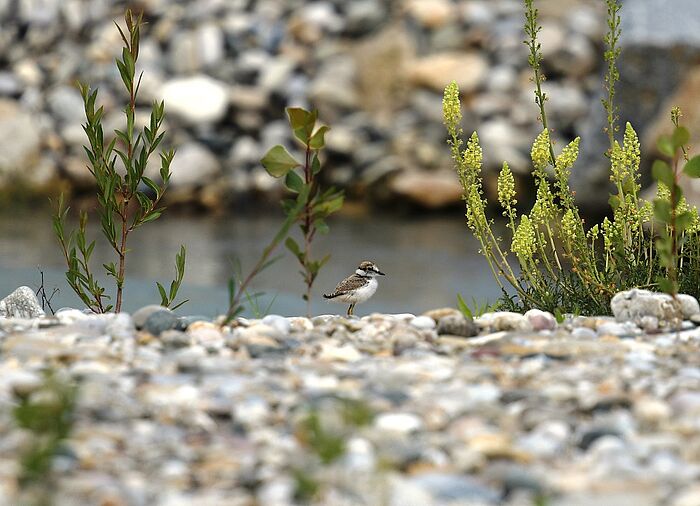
(350, 309)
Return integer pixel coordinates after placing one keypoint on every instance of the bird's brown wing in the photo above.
(347, 285)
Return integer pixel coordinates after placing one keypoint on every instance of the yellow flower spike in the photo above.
(476, 217)
(540, 152)
(506, 188)
(632, 150)
(543, 211)
(568, 156)
(451, 107)
(569, 227)
(473, 155)
(523, 244)
(617, 163)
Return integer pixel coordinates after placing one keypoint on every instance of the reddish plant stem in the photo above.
(124, 211)
(308, 233)
(673, 273)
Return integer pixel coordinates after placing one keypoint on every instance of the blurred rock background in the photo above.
(375, 69)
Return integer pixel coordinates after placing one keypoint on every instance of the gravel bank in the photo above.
(589, 411)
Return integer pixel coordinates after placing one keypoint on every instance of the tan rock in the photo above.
(437, 314)
(685, 97)
(431, 190)
(438, 70)
(431, 13)
(19, 138)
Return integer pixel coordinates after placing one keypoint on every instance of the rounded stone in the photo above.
(155, 319)
(541, 320)
(278, 322)
(436, 71)
(423, 323)
(403, 423)
(198, 99)
(185, 321)
(141, 315)
(457, 325)
(160, 321)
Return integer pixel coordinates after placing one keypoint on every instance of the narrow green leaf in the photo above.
(163, 295)
(151, 184)
(152, 216)
(179, 304)
(463, 307)
(292, 246)
(321, 226)
(278, 161)
(614, 202)
(330, 206)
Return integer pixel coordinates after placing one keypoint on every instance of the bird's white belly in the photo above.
(361, 294)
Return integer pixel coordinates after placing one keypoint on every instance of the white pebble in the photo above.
(423, 323)
(403, 423)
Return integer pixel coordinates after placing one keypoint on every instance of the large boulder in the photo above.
(634, 305)
(20, 141)
(22, 303)
(660, 48)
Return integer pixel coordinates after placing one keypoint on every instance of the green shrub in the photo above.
(317, 204)
(309, 209)
(565, 266)
(680, 224)
(122, 204)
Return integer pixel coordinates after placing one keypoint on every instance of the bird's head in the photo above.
(368, 268)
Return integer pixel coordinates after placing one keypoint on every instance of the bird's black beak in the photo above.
(380, 272)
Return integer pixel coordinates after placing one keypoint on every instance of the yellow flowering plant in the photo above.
(554, 262)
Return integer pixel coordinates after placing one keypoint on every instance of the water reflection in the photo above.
(427, 261)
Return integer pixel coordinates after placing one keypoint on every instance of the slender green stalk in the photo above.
(612, 53)
(532, 28)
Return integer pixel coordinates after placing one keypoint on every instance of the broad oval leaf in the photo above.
(676, 194)
(293, 181)
(318, 140)
(681, 137)
(278, 161)
(684, 220)
(692, 168)
(662, 172)
(665, 145)
(302, 122)
(315, 165)
(614, 202)
(662, 210)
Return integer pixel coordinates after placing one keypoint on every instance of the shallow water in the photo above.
(427, 261)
